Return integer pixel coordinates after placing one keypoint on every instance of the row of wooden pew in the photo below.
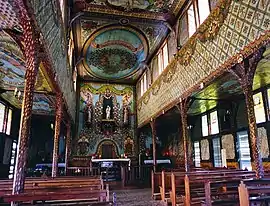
(215, 187)
(42, 190)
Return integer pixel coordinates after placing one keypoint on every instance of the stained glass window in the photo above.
(259, 108)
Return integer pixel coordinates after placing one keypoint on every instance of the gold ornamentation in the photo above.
(210, 28)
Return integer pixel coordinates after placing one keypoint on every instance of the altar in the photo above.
(111, 168)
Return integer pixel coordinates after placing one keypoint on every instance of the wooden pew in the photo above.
(254, 192)
(193, 187)
(98, 195)
(62, 186)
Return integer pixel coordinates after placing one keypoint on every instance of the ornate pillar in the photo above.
(68, 144)
(244, 72)
(31, 42)
(154, 138)
(57, 128)
(183, 109)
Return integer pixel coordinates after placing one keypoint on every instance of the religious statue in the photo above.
(108, 112)
(125, 115)
(88, 113)
(128, 146)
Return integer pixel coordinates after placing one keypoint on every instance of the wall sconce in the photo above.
(52, 126)
(17, 94)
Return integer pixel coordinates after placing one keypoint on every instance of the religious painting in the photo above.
(107, 112)
(115, 52)
(227, 142)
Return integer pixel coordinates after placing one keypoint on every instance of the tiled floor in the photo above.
(135, 197)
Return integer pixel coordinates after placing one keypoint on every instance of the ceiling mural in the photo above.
(136, 8)
(150, 33)
(115, 52)
(12, 74)
(43, 104)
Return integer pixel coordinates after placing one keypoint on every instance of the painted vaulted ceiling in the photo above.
(12, 75)
(124, 33)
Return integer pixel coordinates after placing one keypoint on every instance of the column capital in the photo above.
(245, 70)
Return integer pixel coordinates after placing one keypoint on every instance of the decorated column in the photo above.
(31, 42)
(57, 128)
(68, 143)
(183, 108)
(244, 72)
(154, 137)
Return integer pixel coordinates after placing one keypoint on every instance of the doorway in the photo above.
(243, 150)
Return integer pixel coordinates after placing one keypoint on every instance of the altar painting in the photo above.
(106, 115)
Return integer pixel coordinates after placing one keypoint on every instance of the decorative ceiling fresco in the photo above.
(115, 52)
(149, 33)
(43, 104)
(12, 74)
(138, 8)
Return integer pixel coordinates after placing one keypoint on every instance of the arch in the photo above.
(109, 142)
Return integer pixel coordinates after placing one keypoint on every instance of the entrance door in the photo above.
(243, 150)
(217, 152)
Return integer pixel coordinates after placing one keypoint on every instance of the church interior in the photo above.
(135, 102)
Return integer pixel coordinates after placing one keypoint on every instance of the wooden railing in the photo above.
(83, 171)
(129, 175)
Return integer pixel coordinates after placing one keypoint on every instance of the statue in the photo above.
(108, 112)
(125, 115)
(88, 113)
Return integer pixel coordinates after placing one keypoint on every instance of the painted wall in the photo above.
(95, 127)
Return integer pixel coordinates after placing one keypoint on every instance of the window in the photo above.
(204, 126)
(197, 153)
(12, 160)
(259, 108)
(145, 82)
(2, 117)
(9, 121)
(214, 123)
(62, 8)
(268, 96)
(217, 152)
(163, 58)
(204, 10)
(191, 20)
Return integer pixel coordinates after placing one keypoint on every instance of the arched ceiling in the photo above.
(129, 33)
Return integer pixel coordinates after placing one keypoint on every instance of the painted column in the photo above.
(183, 108)
(57, 128)
(31, 42)
(154, 138)
(244, 71)
(68, 144)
